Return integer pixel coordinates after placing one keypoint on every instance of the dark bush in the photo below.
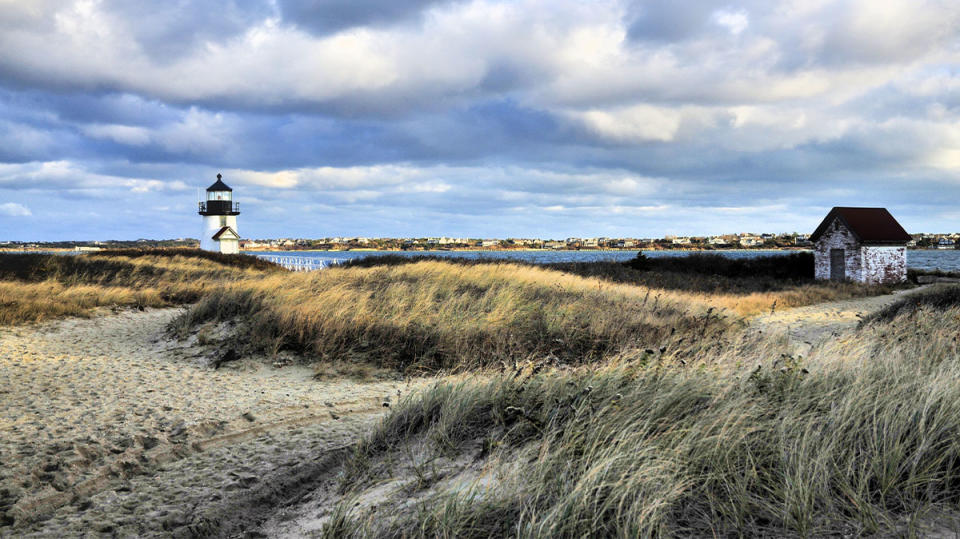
(710, 273)
(400, 260)
(792, 267)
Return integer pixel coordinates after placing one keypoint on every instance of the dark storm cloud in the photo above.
(655, 20)
(327, 16)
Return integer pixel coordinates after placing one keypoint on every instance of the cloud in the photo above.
(68, 177)
(375, 117)
(328, 16)
(734, 21)
(638, 123)
(12, 209)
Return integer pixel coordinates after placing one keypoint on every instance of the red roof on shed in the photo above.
(869, 225)
(225, 230)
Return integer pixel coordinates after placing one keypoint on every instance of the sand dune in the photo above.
(106, 424)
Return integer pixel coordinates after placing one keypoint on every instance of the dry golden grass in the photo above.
(436, 315)
(798, 296)
(443, 315)
(34, 288)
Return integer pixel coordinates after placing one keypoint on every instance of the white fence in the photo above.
(302, 263)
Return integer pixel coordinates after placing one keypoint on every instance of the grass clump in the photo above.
(862, 438)
(434, 315)
(36, 287)
(939, 298)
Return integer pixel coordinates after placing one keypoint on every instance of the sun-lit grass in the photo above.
(747, 286)
(436, 315)
(861, 438)
(34, 288)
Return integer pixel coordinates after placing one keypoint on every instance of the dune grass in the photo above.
(939, 298)
(37, 287)
(862, 438)
(745, 285)
(586, 404)
(433, 315)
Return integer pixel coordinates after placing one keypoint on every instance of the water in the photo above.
(925, 260)
(947, 260)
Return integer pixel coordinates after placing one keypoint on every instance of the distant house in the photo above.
(750, 241)
(866, 245)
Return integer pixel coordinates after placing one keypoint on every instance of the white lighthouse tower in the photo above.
(220, 213)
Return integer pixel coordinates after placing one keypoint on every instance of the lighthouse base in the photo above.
(211, 238)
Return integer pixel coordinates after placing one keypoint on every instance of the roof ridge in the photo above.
(867, 224)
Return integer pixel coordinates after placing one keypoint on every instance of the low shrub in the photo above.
(795, 267)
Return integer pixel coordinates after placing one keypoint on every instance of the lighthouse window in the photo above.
(223, 220)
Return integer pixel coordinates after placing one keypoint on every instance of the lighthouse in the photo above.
(220, 213)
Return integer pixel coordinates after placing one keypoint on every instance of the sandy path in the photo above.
(105, 424)
(807, 326)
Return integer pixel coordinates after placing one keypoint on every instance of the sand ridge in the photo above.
(89, 407)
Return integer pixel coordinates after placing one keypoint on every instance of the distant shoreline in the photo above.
(519, 250)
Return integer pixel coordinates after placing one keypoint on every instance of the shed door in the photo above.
(838, 265)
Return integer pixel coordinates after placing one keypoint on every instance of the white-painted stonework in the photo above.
(883, 264)
(870, 264)
(837, 237)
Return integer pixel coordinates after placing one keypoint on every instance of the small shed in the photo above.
(228, 240)
(865, 245)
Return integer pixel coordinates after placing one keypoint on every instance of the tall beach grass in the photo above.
(861, 438)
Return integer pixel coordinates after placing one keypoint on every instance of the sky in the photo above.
(485, 118)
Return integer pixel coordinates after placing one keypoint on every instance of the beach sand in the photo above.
(108, 425)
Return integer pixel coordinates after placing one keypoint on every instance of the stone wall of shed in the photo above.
(837, 238)
(884, 264)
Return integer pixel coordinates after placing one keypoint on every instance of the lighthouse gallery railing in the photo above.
(219, 205)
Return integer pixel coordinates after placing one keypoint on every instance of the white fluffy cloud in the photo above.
(14, 209)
